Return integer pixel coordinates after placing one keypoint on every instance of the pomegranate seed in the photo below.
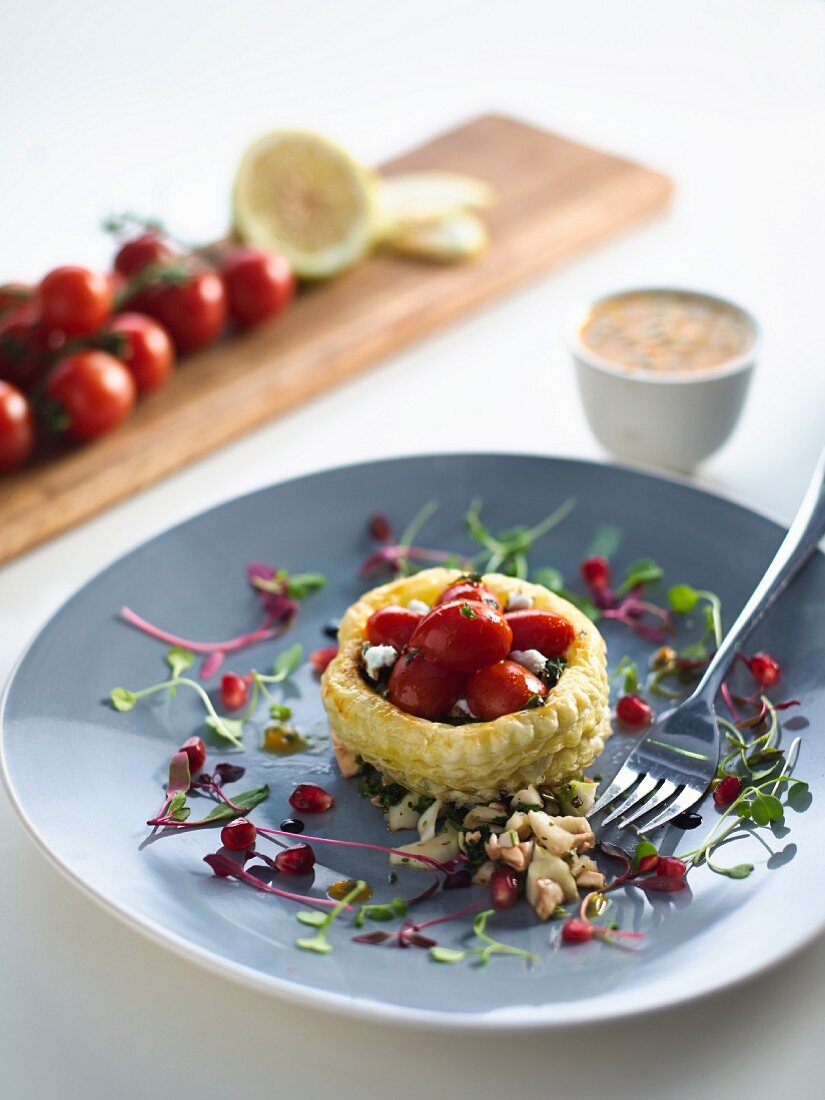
(576, 931)
(234, 691)
(727, 792)
(296, 861)
(320, 658)
(648, 863)
(196, 751)
(238, 835)
(379, 528)
(503, 888)
(671, 867)
(633, 711)
(595, 571)
(311, 799)
(764, 669)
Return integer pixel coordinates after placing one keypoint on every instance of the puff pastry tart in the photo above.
(524, 701)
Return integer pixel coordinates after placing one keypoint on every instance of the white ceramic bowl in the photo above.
(673, 419)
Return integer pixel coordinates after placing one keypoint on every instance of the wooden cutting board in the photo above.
(555, 198)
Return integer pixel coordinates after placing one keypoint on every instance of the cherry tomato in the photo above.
(502, 688)
(148, 248)
(391, 626)
(463, 635)
(74, 300)
(16, 428)
(258, 284)
(422, 688)
(93, 390)
(24, 345)
(469, 589)
(14, 295)
(193, 308)
(550, 634)
(145, 347)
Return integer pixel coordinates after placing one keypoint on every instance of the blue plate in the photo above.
(84, 778)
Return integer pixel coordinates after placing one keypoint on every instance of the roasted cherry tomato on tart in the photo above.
(463, 635)
(422, 688)
(392, 625)
(470, 588)
(503, 688)
(550, 634)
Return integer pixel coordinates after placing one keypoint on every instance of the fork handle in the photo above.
(800, 542)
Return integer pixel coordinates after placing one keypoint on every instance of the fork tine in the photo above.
(664, 792)
(683, 801)
(625, 778)
(647, 784)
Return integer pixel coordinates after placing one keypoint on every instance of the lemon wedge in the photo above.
(459, 236)
(301, 194)
(422, 198)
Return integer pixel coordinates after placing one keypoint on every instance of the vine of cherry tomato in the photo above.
(79, 347)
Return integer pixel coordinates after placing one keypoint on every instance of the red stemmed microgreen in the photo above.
(279, 593)
(225, 867)
(399, 556)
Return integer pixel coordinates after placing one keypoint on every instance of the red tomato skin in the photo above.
(193, 312)
(141, 251)
(16, 428)
(148, 350)
(75, 300)
(545, 631)
(14, 295)
(258, 284)
(462, 635)
(95, 390)
(474, 591)
(24, 346)
(422, 688)
(392, 625)
(502, 688)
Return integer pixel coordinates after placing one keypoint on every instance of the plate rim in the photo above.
(523, 1018)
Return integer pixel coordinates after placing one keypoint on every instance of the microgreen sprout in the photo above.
(319, 943)
(482, 954)
(506, 552)
(400, 557)
(230, 729)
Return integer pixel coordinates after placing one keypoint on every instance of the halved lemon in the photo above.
(301, 194)
(422, 198)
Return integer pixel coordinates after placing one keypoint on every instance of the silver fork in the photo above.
(680, 753)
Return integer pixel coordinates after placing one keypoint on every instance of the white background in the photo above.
(147, 106)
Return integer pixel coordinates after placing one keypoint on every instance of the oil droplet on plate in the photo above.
(339, 890)
(283, 740)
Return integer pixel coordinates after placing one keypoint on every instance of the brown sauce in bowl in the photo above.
(666, 331)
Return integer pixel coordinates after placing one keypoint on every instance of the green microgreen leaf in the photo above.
(230, 729)
(605, 542)
(739, 870)
(549, 578)
(313, 917)
(629, 673)
(123, 699)
(301, 585)
(288, 661)
(643, 571)
(280, 712)
(244, 802)
(446, 955)
(179, 660)
(177, 808)
(682, 598)
(643, 848)
(766, 809)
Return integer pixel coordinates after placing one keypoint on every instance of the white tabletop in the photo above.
(147, 106)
